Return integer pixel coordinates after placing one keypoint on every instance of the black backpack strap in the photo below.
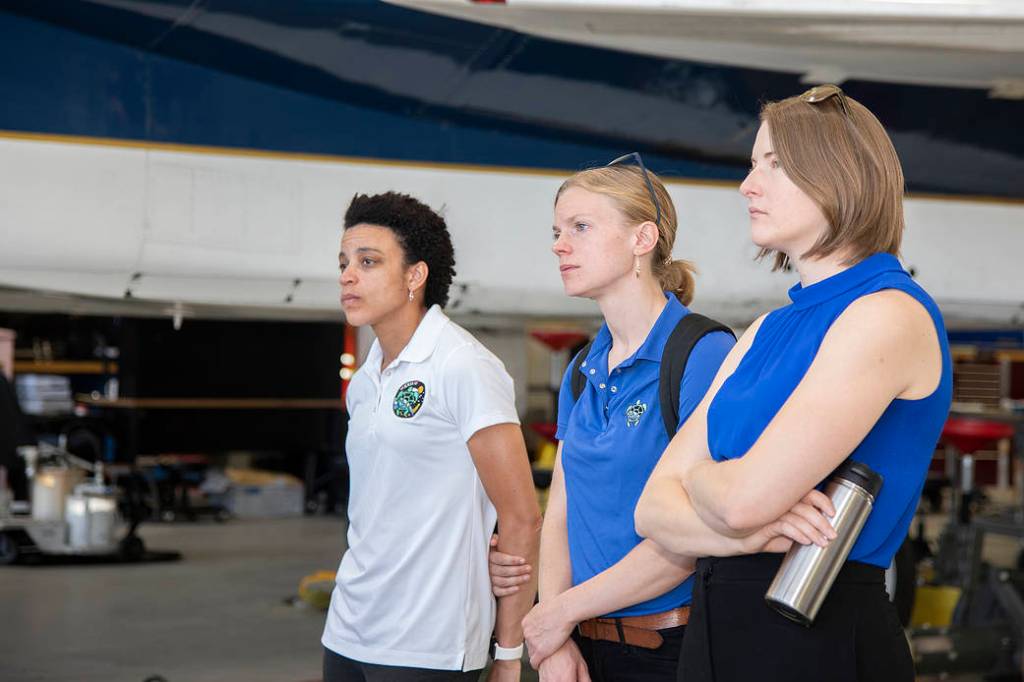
(691, 329)
(578, 379)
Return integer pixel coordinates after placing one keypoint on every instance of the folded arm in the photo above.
(884, 346)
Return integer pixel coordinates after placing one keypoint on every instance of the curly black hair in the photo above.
(421, 232)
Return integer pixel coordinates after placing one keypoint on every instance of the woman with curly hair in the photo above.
(436, 457)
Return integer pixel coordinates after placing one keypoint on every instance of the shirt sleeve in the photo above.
(701, 367)
(565, 401)
(478, 391)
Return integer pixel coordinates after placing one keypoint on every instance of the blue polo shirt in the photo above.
(612, 438)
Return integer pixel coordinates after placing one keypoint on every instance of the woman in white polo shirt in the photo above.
(436, 457)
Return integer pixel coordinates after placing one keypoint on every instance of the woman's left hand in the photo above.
(807, 522)
(545, 628)
(507, 571)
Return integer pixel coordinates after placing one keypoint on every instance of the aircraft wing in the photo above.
(952, 43)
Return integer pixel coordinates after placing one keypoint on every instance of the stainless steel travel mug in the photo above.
(808, 571)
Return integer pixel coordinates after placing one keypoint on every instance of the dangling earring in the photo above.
(410, 294)
(637, 270)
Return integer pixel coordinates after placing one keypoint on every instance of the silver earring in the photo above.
(637, 269)
(410, 294)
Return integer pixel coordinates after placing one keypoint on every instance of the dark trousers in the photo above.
(338, 668)
(734, 636)
(615, 662)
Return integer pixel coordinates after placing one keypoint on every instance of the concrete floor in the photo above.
(221, 613)
(218, 614)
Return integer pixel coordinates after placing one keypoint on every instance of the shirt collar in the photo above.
(653, 345)
(424, 339)
(421, 345)
(837, 284)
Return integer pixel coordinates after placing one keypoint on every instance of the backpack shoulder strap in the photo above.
(691, 329)
(577, 378)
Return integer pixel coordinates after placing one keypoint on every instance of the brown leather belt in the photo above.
(641, 631)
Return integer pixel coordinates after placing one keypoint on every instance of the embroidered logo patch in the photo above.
(409, 399)
(634, 412)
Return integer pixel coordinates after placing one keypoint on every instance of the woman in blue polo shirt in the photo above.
(614, 231)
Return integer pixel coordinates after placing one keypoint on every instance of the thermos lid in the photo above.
(860, 474)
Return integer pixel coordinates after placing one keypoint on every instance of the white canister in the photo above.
(91, 514)
(50, 487)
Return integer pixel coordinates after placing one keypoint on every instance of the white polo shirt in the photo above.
(413, 589)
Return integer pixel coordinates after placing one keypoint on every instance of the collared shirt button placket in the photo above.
(380, 393)
(376, 408)
(380, 399)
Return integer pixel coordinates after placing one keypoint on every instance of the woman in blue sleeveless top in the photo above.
(857, 365)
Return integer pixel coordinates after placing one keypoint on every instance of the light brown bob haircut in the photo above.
(626, 186)
(835, 150)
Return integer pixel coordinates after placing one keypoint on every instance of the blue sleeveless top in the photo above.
(900, 445)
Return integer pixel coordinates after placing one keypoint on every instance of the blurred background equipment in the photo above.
(70, 516)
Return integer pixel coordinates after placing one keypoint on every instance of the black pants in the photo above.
(734, 636)
(614, 662)
(338, 668)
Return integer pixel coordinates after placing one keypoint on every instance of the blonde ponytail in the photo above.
(677, 276)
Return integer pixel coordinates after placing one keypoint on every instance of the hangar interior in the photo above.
(174, 359)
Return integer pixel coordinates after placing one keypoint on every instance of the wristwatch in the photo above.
(500, 653)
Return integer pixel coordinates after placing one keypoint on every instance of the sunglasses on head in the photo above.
(635, 156)
(822, 93)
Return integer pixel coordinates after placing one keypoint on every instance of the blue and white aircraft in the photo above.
(189, 157)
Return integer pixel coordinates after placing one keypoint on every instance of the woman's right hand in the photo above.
(807, 522)
(565, 665)
(507, 571)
